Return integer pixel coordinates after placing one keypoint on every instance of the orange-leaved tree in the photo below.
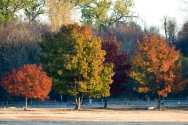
(29, 81)
(155, 69)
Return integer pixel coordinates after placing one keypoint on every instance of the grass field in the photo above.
(115, 115)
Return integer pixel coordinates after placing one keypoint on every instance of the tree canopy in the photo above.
(102, 13)
(9, 9)
(74, 59)
(153, 67)
(59, 13)
(28, 81)
(121, 65)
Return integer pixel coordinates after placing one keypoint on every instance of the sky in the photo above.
(153, 11)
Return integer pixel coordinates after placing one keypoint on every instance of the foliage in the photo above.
(18, 46)
(184, 61)
(97, 12)
(120, 62)
(74, 60)
(32, 8)
(11, 8)
(59, 13)
(7, 10)
(153, 66)
(28, 81)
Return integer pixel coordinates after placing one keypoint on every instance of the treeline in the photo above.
(86, 55)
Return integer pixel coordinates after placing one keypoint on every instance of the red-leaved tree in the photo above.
(29, 81)
(121, 65)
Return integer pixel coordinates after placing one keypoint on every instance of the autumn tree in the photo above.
(59, 13)
(74, 59)
(97, 13)
(121, 65)
(154, 69)
(28, 81)
(18, 46)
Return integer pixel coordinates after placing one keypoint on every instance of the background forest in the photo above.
(27, 29)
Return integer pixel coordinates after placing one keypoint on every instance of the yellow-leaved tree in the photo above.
(154, 67)
(59, 13)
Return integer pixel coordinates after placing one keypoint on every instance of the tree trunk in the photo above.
(77, 102)
(25, 104)
(105, 102)
(165, 28)
(159, 103)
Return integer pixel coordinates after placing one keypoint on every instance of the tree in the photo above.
(59, 13)
(126, 34)
(19, 45)
(121, 65)
(97, 12)
(28, 81)
(74, 59)
(184, 61)
(10, 9)
(152, 30)
(170, 27)
(32, 8)
(181, 43)
(183, 5)
(153, 67)
(7, 10)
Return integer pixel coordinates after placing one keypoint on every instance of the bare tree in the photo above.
(165, 27)
(171, 29)
(184, 5)
(127, 35)
(19, 45)
(182, 39)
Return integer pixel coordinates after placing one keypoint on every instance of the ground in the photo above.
(93, 116)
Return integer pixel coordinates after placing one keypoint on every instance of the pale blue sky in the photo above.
(152, 11)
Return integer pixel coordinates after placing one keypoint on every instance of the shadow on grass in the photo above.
(185, 108)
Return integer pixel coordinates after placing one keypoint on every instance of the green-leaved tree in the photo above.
(102, 13)
(10, 9)
(7, 10)
(74, 59)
